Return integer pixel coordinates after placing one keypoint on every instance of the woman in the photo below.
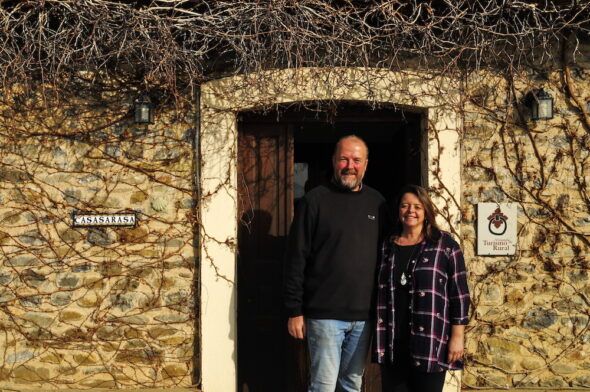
(422, 300)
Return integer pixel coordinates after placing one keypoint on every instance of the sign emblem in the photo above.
(497, 225)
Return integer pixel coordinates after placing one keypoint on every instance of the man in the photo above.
(330, 270)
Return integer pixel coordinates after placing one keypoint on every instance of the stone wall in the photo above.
(86, 308)
(98, 307)
(530, 326)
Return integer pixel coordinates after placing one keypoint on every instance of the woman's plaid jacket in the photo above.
(439, 298)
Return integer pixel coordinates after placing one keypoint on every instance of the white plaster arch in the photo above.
(223, 99)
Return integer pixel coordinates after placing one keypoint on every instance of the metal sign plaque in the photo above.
(496, 228)
(88, 219)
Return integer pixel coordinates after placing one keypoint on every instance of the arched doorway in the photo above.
(221, 102)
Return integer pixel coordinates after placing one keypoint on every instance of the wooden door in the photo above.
(266, 359)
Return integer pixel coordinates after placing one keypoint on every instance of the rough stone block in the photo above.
(99, 237)
(563, 368)
(172, 318)
(582, 381)
(135, 320)
(19, 356)
(133, 333)
(540, 318)
(174, 243)
(86, 359)
(99, 383)
(27, 374)
(138, 197)
(553, 382)
(135, 344)
(493, 379)
(31, 301)
(14, 176)
(4, 238)
(67, 370)
(71, 235)
(492, 294)
(123, 302)
(531, 363)
(515, 297)
(158, 332)
(525, 380)
(135, 235)
(497, 345)
(145, 357)
(126, 284)
(84, 267)
(89, 300)
(172, 371)
(6, 296)
(10, 218)
(572, 305)
(76, 334)
(70, 315)
(68, 281)
(72, 196)
(43, 320)
(504, 362)
(52, 358)
(6, 277)
(174, 340)
(109, 333)
(4, 374)
(111, 268)
(578, 276)
(23, 261)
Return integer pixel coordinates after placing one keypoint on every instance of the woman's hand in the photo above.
(456, 344)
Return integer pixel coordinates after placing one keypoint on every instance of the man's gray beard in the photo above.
(349, 184)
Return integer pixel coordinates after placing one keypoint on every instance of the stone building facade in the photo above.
(155, 305)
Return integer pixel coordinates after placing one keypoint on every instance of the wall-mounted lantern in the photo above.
(143, 110)
(541, 104)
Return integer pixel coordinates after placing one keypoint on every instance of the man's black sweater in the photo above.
(332, 253)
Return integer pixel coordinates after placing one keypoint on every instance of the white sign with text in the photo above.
(81, 219)
(496, 228)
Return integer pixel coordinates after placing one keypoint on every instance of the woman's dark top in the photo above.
(403, 255)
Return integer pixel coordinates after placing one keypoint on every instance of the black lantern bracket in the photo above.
(540, 104)
(143, 109)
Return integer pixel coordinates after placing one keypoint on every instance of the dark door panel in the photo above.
(265, 210)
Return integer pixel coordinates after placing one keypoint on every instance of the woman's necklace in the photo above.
(415, 246)
(404, 279)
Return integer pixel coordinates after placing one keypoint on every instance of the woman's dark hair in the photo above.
(431, 231)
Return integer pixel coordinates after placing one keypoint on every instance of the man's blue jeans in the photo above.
(338, 352)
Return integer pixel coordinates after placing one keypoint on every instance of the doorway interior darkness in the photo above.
(300, 139)
(393, 138)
